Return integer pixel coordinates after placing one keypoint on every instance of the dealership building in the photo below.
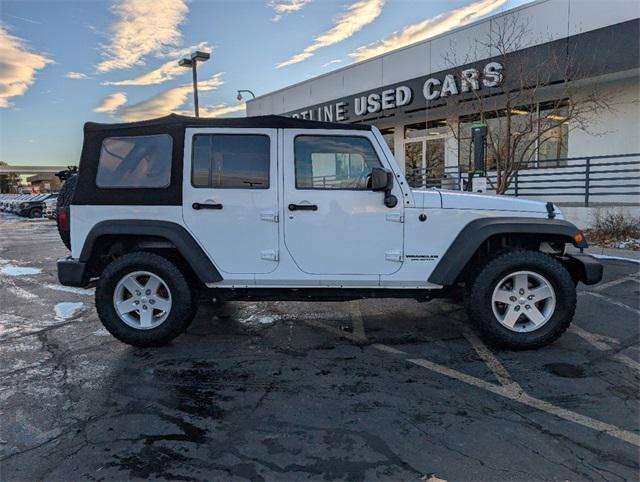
(425, 97)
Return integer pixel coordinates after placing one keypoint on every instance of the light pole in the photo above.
(193, 62)
(239, 97)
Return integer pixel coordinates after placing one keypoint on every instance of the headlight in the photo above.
(24, 205)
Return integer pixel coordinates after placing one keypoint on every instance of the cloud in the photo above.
(165, 72)
(429, 28)
(185, 51)
(111, 102)
(24, 19)
(18, 67)
(335, 61)
(221, 110)
(166, 102)
(357, 16)
(143, 27)
(283, 7)
(76, 76)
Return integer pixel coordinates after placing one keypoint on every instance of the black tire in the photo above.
(64, 199)
(480, 287)
(35, 213)
(183, 297)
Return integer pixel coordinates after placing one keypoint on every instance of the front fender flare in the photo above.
(478, 231)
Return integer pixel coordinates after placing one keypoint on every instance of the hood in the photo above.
(464, 200)
(426, 199)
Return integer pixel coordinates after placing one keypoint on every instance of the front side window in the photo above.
(231, 161)
(334, 162)
(135, 162)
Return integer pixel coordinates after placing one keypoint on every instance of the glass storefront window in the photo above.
(427, 128)
(549, 143)
(554, 133)
(388, 135)
(413, 162)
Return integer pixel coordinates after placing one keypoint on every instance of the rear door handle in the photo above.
(198, 206)
(303, 207)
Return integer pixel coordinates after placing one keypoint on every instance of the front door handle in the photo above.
(198, 206)
(303, 207)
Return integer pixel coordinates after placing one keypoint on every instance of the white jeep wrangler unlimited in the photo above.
(168, 211)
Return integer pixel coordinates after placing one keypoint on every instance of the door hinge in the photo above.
(394, 256)
(269, 216)
(269, 254)
(395, 217)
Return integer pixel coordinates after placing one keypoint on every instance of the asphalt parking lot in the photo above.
(374, 389)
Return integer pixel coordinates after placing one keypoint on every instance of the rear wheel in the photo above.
(521, 299)
(35, 213)
(144, 299)
(64, 199)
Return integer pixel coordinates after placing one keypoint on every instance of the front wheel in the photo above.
(521, 299)
(144, 299)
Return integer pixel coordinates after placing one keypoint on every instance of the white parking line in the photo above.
(601, 342)
(616, 282)
(356, 319)
(604, 343)
(489, 359)
(612, 301)
(508, 388)
(388, 349)
(511, 392)
(335, 331)
(630, 362)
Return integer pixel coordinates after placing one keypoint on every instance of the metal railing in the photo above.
(613, 178)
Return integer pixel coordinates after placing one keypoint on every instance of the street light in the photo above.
(244, 90)
(192, 63)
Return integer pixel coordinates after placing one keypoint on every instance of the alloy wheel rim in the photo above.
(142, 300)
(523, 301)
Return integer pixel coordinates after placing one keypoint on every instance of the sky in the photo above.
(66, 63)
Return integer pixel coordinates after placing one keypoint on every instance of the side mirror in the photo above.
(380, 179)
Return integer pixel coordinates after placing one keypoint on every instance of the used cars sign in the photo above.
(393, 97)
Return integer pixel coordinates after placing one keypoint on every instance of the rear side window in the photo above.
(135, 162)
(231, 161)
(334, 162)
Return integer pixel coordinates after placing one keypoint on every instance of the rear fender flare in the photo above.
(190, 250)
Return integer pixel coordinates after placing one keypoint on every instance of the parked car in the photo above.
(50, 207)
(33, 207)
(5, 198)
(12, 203)
(274, 208)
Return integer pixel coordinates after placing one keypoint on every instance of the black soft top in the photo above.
(260, 122)
(89, 193)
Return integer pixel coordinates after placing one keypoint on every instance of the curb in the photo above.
(616, 258)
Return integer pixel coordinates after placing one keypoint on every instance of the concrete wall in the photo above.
(582, 217)
(616, 126)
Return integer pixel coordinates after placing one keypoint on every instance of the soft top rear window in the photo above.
(135, 162)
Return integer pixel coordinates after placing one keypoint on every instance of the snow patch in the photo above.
(71, 289)
(101, 332)
(13, 270)
(618, 258)
(21, 292)
(66, 310)
(252, 315)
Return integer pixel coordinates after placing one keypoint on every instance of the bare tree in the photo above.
(9, 182)
(553, 74)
